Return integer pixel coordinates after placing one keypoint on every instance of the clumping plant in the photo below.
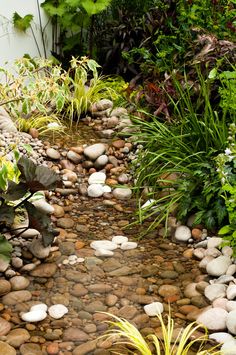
(226, 168)
(126, 335)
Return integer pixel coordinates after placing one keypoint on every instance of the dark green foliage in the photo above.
(33, 178)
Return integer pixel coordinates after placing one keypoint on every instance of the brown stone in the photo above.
(120, 143)
(85, 348)
(5, 287)
(17, 337)
(5, 326)
(75, 334)
(44, 270)
(6, 349)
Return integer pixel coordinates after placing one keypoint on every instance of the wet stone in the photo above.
(75, 334)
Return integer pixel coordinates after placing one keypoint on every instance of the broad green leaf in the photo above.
(54, 10)
(41, 222)
(15, 191)
(93, 8)
(212, 74)
(7, 214)
(73, 3)
(225, 230)
(5, 248)
(22, 23)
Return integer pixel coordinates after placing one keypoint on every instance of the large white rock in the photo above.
(95, 190)
(231, 270)
(122, 193)
(103, 244)
(97, 178)
(231, 322)
(227, 250)
(212, 292)
(57, 311)
(213, 319)
(106, 188)
(43, 206)
(38, 249)
(231, 292)
(203, 263)
(40, 306)
(214, 242)
(119, 239)
(230, 306)
(153, 309)
(182, 233)
(128, 245)
(218, 266)
(229, 347)
(224, 279)
(34, 316)
(220, 303)
(221, 337)
(213, 252)
(101, 161)
(94, 151)
(103, 252)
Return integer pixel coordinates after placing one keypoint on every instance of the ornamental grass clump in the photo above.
(177, 163)
(126, 336)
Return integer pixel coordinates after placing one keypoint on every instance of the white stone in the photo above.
(53, 153)
(229, 348)
(106, 188)
(34, 316)
(230, 306)
(122, 193)
(119, 239)
(103, 244)
(128, 245)
(213, 319)
(57, 311)
(148, 203)
(231, 322)
(231, 270)
(43, 206)
(218, 266)
(214, 242)
(182, 233)
(40, 306)
(224, 279)
(227, 250)
(95, 190)
(38, 249)
(94, 151)
(101, 161)
(220, 303)
(103, 252)
(97, 178)
(72, 257)
(29, 233)
(231, 292)
(153, 309)
(80, 260)
(221, 337)
(203, 263)
(199, 253)
(215, 291)
(212, 252)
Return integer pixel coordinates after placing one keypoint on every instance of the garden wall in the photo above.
(14, 43)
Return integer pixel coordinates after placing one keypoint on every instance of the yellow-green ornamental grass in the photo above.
(127, 335)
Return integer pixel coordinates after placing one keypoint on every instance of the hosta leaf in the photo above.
(5, 249)
(7, 214)
(40, 221)
(22, 23)
(225, 230)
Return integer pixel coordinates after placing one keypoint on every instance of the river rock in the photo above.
(4, 265)
(44, 270)
(103, 244)
(214, 319)
(119, 239)
(128, 245)
(30, 349)
(153, 309)
(19, 283)
(38, 249)
(230, 306)
(215, 291)
(95, 190)
(182, 233)
(53, 154)
(122, 193)
(5, 326)
(94, 151)
(218, 266)
(221, 337)
(5, 287)
(40, 306)
(231, 322)
(57, 311)
(43, 206)
(58, 211)
(6, 349)
(231, 292)
(214, 242)
(103, 252)
(97, 178)
(15, 297)
(74, 157)
(34, 316)
(65, 222)
(101, 161)
(17, 337)
(75, 334)
(85, 348)
(6, 123)
(228, 348)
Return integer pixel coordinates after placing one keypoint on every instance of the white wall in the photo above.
(13, 43)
